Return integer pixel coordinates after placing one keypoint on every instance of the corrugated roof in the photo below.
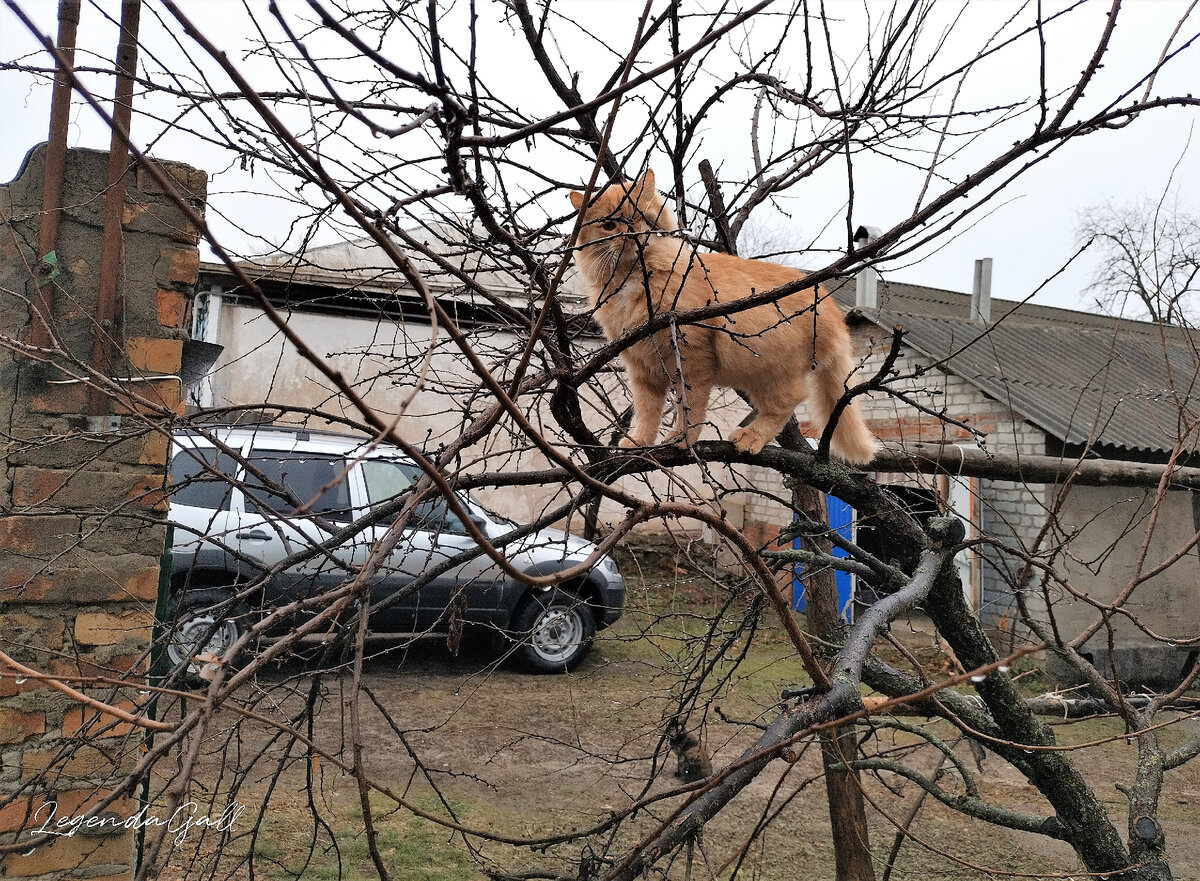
(362, 263)
(1081, 377)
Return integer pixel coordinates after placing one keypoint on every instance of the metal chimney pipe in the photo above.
(981, 292)
(866, 282)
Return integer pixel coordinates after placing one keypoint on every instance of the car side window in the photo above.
(194, 483)
(292, 480)
(388, 481)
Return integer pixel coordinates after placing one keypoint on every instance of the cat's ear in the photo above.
(576, 199)
(646, 184)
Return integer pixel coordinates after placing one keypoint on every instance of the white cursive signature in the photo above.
(181, 822)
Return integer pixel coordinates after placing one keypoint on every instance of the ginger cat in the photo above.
(779, 354)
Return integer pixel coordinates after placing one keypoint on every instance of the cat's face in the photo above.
(619, 217)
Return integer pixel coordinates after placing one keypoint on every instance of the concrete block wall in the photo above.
(1011, 511)
(82, 508)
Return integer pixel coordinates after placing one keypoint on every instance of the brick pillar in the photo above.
(82, 508)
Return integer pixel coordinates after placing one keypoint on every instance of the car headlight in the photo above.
(608, 565)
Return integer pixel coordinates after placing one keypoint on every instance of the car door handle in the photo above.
(254, 535)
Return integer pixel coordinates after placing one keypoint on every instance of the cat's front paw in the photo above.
(747, 441)
(627, 443)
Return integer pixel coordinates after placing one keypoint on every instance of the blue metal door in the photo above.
(841, 520)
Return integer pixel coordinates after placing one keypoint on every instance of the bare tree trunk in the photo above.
(839, 748)
(847, 813)
(458, 200)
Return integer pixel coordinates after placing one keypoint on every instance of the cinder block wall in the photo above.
(82, 507)
(1007, 510)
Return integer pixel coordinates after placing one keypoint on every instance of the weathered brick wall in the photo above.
(82, 507)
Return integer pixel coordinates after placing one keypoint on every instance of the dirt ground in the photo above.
(532, 757)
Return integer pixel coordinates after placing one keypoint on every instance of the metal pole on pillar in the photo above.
(56, 160)
(108, 335)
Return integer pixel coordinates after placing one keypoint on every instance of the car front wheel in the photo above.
(203, 624)
(554, 631)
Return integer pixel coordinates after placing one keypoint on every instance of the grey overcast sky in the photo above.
(1030, 231)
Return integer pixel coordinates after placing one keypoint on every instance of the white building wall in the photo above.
(433, 399)
(1119, 543)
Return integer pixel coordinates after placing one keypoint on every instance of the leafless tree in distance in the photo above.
(1150, 259)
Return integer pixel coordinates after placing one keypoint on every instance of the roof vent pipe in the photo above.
(981, 292)
(866, 282)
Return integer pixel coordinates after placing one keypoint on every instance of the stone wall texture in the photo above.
(82, 507)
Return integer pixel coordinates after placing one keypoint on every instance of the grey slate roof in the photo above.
(1079, 376)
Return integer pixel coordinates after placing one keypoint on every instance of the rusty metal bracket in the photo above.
(48, 269)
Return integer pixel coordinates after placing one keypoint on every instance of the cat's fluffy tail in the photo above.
(852, 441)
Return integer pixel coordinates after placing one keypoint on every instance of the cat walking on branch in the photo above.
(779, 354)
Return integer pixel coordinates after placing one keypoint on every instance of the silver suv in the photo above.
(250, 501)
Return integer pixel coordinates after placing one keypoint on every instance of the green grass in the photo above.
(411, 848)
(675, 617)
